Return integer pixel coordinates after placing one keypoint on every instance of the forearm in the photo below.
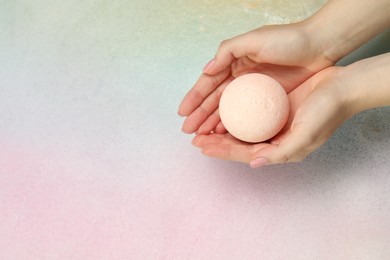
(342, 26)
(367, 83)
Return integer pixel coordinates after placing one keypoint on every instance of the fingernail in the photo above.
(179, 114)
(208, 66)
(186, 130)
(259, 162)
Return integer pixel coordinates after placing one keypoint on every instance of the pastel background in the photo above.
(93, 164)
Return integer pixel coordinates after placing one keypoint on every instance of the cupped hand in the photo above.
(317, 108)
(288, 53)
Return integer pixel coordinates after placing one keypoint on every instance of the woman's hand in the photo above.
(317, 108)
(288, 53)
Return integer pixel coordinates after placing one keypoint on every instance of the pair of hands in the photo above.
(287, 53)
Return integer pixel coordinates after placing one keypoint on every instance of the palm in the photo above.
(225, 146)
(288, 76)
(207, 118)
(307, 119)
(290, 61)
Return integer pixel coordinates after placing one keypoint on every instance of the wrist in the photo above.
(340, 27)
(323, 58)
(339, 84)
(343, 84)
(322, 37)
(366, 83)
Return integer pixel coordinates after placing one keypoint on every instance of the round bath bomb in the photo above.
(254, 107)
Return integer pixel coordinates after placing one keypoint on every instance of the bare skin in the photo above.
(257, 51)
(300, 56)
(318, 107)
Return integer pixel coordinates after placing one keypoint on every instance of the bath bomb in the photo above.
(254, 107)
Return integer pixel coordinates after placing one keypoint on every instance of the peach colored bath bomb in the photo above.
(254, 107)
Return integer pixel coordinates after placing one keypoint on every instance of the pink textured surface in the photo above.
(254, 107)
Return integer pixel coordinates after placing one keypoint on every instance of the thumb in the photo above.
(293, 148)
(230, 50)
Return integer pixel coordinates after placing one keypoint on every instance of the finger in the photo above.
(279, 137)
(200, 115)
(293, 148)
(230, 50)
(220, 128)
(233, 152)
(244, 66)
(203, 87)
(240, 152)
(210, 123)
(202, 140)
